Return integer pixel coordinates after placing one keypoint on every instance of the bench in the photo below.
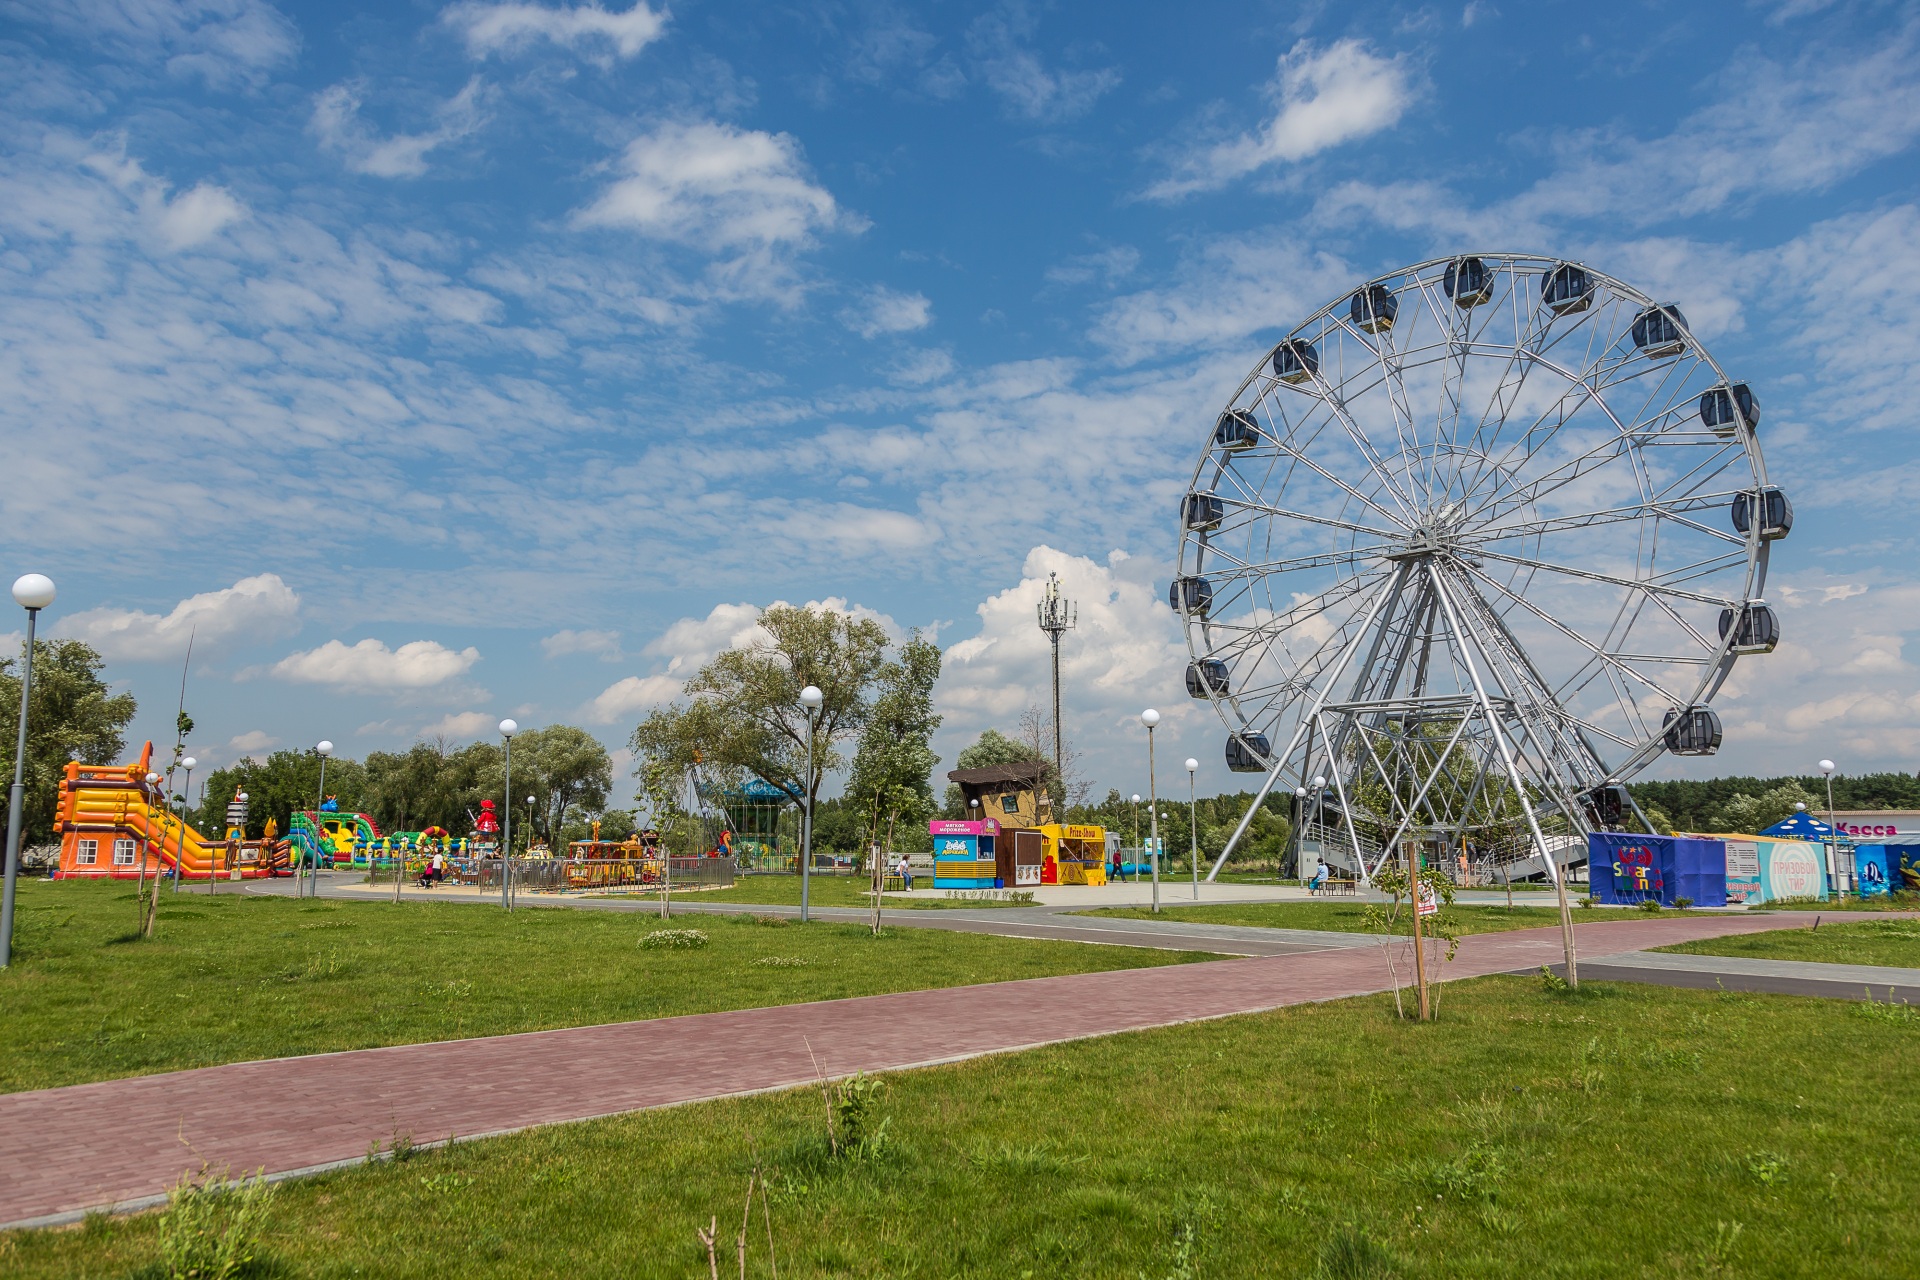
(1335, 889)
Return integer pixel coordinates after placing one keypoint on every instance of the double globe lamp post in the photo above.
(32, 592)
(186, 807)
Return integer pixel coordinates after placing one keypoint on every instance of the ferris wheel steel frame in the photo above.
(1436, 602)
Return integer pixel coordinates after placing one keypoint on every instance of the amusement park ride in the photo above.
(1468, 549)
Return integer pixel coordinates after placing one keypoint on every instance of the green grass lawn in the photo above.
(1620, 1131)
(1895, 943)
(234, 977)
(1338, 915)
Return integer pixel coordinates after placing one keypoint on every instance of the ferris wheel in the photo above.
(1472, 546)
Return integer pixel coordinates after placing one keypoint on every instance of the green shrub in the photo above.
(1650, 905)
(1681, 904)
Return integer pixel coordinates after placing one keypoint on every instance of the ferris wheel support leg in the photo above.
(1513, 778)
(1319, 703)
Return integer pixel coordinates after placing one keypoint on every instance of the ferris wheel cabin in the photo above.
(1248, 753)
(1468, 282)
(1373, 308)
(1776, 513)
(1660, 332)
(1236, 430)
(1202, 511)
(1192, 596)
(1567, 290)
(1757, 629)
(1725, 409)
(1295, 361)
(1207, 676)
(1693, 732)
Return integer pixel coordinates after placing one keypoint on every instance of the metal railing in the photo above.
(564, 875)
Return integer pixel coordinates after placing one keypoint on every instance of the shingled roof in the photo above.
(1024, 771)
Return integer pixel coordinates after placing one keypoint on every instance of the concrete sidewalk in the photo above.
(1748, 973)
(119, 1144)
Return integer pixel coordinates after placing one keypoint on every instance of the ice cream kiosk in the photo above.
(963, 854)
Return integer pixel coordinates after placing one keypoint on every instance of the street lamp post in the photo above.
(1150, 718)
(186, 799)
(1193, 829)
(507, 729)
(1833, 828)
(32, 592)
(1300, 832)
(810, 699)
(1136, 836)
(1319, 820)
(323, 750)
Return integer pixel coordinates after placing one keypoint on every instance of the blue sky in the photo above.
(441, 362)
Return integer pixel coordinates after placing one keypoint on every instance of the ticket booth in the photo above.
(964, 854)
(1073, 854)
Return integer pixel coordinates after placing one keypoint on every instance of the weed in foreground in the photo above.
(211, 1227)
(1351, 1254)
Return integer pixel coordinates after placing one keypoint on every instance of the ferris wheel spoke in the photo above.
(1675, 510)
(1262, 569)
(1616, 662)
(1655, 586)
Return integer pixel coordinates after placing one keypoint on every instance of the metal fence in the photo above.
(564, 875)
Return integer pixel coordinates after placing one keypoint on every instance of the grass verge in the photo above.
(824, 891)
(1894, 943)
(1336, 916)
(1620, 1131)
(235, 977)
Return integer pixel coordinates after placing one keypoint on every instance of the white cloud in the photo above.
(1026, 85)
(690, 643)
(883, 310)
(461, 724)
(225, 43)
(337, 123)
(510, 28)
(251, 742)
(629, 699)
(715, 187)
(256, 607)
(1126, 653)
(183, 221)
(1324, 98)
(371, 667)
(604, 644)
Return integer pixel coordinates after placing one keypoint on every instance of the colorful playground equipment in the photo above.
(113, 824)
(328, 838)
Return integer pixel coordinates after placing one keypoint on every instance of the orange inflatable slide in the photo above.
(113, 824)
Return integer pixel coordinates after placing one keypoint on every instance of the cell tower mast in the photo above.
(1057, 615)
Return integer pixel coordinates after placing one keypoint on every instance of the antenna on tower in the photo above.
(1057, 614)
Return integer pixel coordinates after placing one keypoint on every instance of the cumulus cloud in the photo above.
(512, 28)
(689, 644)
(1323, 97)
(715, 187)
(883, 310)
(603, 644)
(371, 667)
(258, 607)
(631, 698)
(336, 122)
(251, 742)
(1126, 653)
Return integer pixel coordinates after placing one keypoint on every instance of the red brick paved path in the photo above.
(98, 1145)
